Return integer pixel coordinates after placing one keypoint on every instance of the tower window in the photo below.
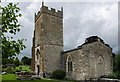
(53, 19)
(37, 54)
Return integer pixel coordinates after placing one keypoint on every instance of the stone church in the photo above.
(90, 60)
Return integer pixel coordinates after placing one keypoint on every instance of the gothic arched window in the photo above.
(100, 60)
(69, 64)
(100, 67)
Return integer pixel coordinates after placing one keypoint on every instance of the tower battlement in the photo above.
(52, 11)
(48, 40)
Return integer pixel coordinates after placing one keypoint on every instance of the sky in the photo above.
(80, 21)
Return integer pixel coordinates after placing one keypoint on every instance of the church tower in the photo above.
(47, 40)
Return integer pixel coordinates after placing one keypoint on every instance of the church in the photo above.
(92, 59)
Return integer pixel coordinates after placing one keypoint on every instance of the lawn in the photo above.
(9, 77)
(12, 78)
(24, 68)
(0, 77)
(30, 81)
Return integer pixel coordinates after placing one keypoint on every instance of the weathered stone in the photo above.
(48, 40)
(90, 60)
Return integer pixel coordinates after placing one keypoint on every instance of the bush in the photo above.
(59, 74)
(18, 71)
(9, 70)
(114, 75)
(117, 75)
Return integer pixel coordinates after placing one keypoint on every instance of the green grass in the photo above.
(24, 68)
(29, 81)
(0, 77)
(12, 78)
(9, 77)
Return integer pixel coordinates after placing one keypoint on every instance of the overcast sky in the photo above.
(80, 20)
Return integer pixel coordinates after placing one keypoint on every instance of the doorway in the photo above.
(38, 69)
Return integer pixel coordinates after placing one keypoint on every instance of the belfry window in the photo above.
(70, 66)
(37, 53)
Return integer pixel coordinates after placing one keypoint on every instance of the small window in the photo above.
(69, 63)
(70, 66)
(53, 20)
(37, 53)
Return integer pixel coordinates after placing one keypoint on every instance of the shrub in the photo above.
(9, 70)
(18, 71)
(20, 68)
(114, 75)
(59, 74)
(117, 75)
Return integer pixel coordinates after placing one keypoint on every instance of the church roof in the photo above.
(88, 40)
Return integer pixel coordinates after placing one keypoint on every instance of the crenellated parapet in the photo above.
(52, 11)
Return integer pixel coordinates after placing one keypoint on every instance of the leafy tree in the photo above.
(29, 63)
(16, 61)
(20, 63)
(116, 66)
(6, 60)
(26, 60)
(10, 25)
(117, 63)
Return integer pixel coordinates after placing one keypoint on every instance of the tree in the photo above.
(117, 63)
(116, 66)
(10, 25)
(26, 60)
(16, 61)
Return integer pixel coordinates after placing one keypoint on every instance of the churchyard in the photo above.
(12, 77)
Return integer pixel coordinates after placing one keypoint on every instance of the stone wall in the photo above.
(95, 50)
(80, 65)
(85, 61)
(52, 57)
(33, 55)
(49, 36)
(52, 30)
(52, 11)
(90, 60)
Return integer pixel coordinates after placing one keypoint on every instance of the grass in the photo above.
(9, 77)
(0, 77)
(24, 68)
(30, 81)
(12, 78)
